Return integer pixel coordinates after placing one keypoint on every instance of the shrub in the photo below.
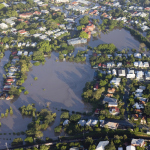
(35, 78)
(26, 92)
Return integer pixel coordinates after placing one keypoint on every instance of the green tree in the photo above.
(65, 115)
(29, 140)
(83, 34)
(75, 117)
(84, 20)
(44, 147)
(110, 146)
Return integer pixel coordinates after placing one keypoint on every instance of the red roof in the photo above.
(96, 86)
(97, 111)
(14, 53)
(99, 65)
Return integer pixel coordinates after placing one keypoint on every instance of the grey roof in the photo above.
(108, 99)
(137, 141)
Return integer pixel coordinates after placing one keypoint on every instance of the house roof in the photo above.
(137, 141)
(101, 145)
(108, 99)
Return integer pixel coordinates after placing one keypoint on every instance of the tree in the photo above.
(29, 140)
(44, 147)
(84, 20)
(146, 110)
(75, 117)
(89, 140)
(110, 146)
(65, 115)
(80, 27)
(17, 141)
(83, 34)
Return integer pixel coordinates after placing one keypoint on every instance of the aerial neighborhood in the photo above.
(75, 75)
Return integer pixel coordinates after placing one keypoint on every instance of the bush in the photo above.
(58, 129)
(65, 115)
(35, 78)
(75, 117)
(26, 92)
(36, 63)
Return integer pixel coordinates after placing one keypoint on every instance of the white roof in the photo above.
(120, 148)
(82, 122)
(65, 122)
(130, 147)
(101, 145)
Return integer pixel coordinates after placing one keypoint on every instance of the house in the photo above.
(114, 110)
(74, 148)
(25, 15)
(94, 122)
(147, 76)
(97, 111)
(130, 147)
(136, 64)
(122, 73)
(142, 100)
(19, 53)
(138, 106)
(112, 125)
(137, 55)
(65, 122)
(114, 72)
(140, 63)
(101, 145)
(146, 64)
(137, 142)
(76, 41)
(115, 81)
(111, 90)
(61, 1)
(135, 117)
(112, 102)
(139, 75)
(143, 120)
(88, 123)
(120, 148)
(3, 26)
(22, 31)
(130, 74)
(37, 13)
(119, 64)
(82, 122)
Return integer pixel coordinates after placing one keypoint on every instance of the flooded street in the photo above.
(59, 85)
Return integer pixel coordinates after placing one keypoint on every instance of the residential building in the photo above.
(122, 73)
(115, 81)
(143, 120)
(25, 15)
(137, 55)
(101, 145)
(147, 76)
(76, 41)
(114, 110)
(88, 123)
(112, 102)
(82, 122)
(3, 26)
(112, 125)
(94, 122)
(137, 142)
(61, 1)
(111, 90)
(65, 122)
(130, 147)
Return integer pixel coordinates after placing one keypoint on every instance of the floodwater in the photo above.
(121, 38)
(59, 85)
